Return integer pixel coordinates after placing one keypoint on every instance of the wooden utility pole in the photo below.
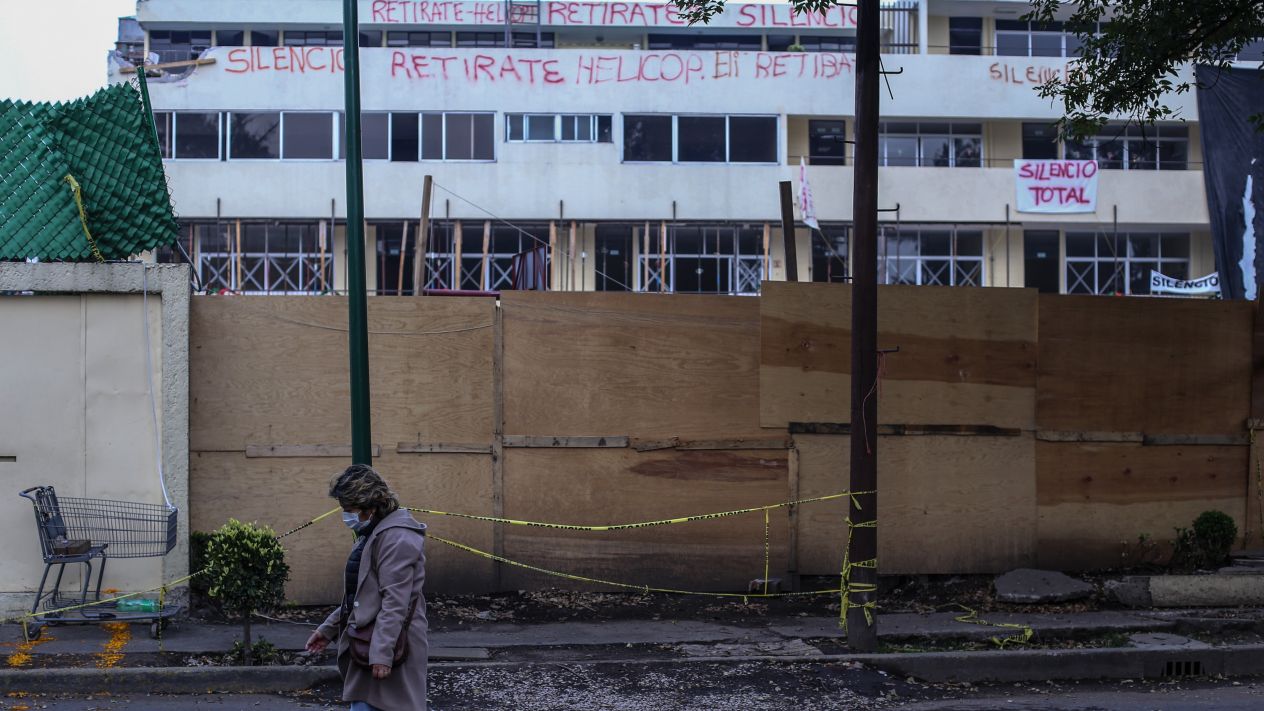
(423, 238)
(787, 231)
(861, 576)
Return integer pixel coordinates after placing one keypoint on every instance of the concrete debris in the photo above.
(1040, 586)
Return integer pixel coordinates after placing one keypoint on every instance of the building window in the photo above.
(179, 46)
(528, 40)
(1135, 148)
(1020, 38)
(307, 136)
(308, 38)
(254, 136)
(703, 259)
(188, 135)
(568, 128)
(957, 145)
(647, 138)
(748, 43)
(780, 43)
(827, 142)
(264, 38)
(457, 136)
(833, 43)
(965, 35)
(265, 257)
(699, 139)
(1121, 263)
(288, 135)
(418, 39)
(1040, 141)
(829, 254)
(406, 137)
(230, 38)
(931, 257)
(480, 39)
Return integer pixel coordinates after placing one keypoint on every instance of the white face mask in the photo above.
(352, 520)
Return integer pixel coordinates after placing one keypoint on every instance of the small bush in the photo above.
(262, 653)
(1207, 543)
(1215, 533)
(246, 572)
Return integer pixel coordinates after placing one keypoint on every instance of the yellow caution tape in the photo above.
(83, 215)
(971, 617)
(641, 524)
(613, 583)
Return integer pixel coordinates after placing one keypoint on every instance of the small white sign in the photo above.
(1160, 284)
(1056, 186)
(807, 208)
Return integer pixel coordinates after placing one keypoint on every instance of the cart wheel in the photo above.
(32, 631)
(158, 627)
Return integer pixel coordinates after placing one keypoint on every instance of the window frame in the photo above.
(921, 161)
(335, 124)
(421, 136)
(1126, 261)
(675, 138)
(172, 138)
(954, 258)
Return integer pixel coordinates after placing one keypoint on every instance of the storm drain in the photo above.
(1173, 668)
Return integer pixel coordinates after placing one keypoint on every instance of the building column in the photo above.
(923, 26)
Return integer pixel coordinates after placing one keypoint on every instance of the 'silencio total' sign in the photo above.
(1056, 186)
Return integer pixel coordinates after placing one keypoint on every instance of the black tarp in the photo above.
(1233, 168)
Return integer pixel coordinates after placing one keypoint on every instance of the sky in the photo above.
(54, 50)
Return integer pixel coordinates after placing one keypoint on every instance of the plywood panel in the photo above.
(1159, 366)
(966, 356)
(1095, 497)
(284, 493)
(595, 486)
(945, 504)
(632, 364)
(274, 371)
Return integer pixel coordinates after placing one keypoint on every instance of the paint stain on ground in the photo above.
(21, 655)
(112, 653)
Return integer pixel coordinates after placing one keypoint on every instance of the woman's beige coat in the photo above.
(392, 571)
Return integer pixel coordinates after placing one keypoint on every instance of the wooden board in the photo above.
(1094, 498)
(605, 486)
(1158, 366)
(641, 365)
(1253, 518)
(946, 504)
(274, 371)
(966, 356)
(284, 493)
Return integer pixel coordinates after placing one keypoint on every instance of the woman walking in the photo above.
(381, 624)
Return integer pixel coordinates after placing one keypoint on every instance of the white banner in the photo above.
(1160, 284)
(1057, 186)
(807, 208)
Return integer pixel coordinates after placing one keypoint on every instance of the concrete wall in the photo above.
(77, 411)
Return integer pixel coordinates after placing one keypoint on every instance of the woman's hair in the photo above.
(360, 487)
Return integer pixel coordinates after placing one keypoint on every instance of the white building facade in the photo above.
(628, 151)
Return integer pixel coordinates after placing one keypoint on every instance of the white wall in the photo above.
(76, 415)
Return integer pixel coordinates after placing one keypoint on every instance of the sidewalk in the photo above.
(934, 647)
(203, 638)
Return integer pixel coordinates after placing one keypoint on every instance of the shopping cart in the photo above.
(83, 531)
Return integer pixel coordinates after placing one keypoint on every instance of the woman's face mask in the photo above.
(352, 520)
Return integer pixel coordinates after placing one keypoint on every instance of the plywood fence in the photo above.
(1016, 429)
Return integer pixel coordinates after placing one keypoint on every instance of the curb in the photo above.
(166, 680)
(937, 667)
(1072, 664)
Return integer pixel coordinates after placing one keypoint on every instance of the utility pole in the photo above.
(357, 301)
(861, 576)
(787, 231)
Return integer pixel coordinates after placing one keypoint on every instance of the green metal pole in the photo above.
(144, 100)
(357, 319)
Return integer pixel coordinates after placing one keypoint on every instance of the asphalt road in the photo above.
(738, 686)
